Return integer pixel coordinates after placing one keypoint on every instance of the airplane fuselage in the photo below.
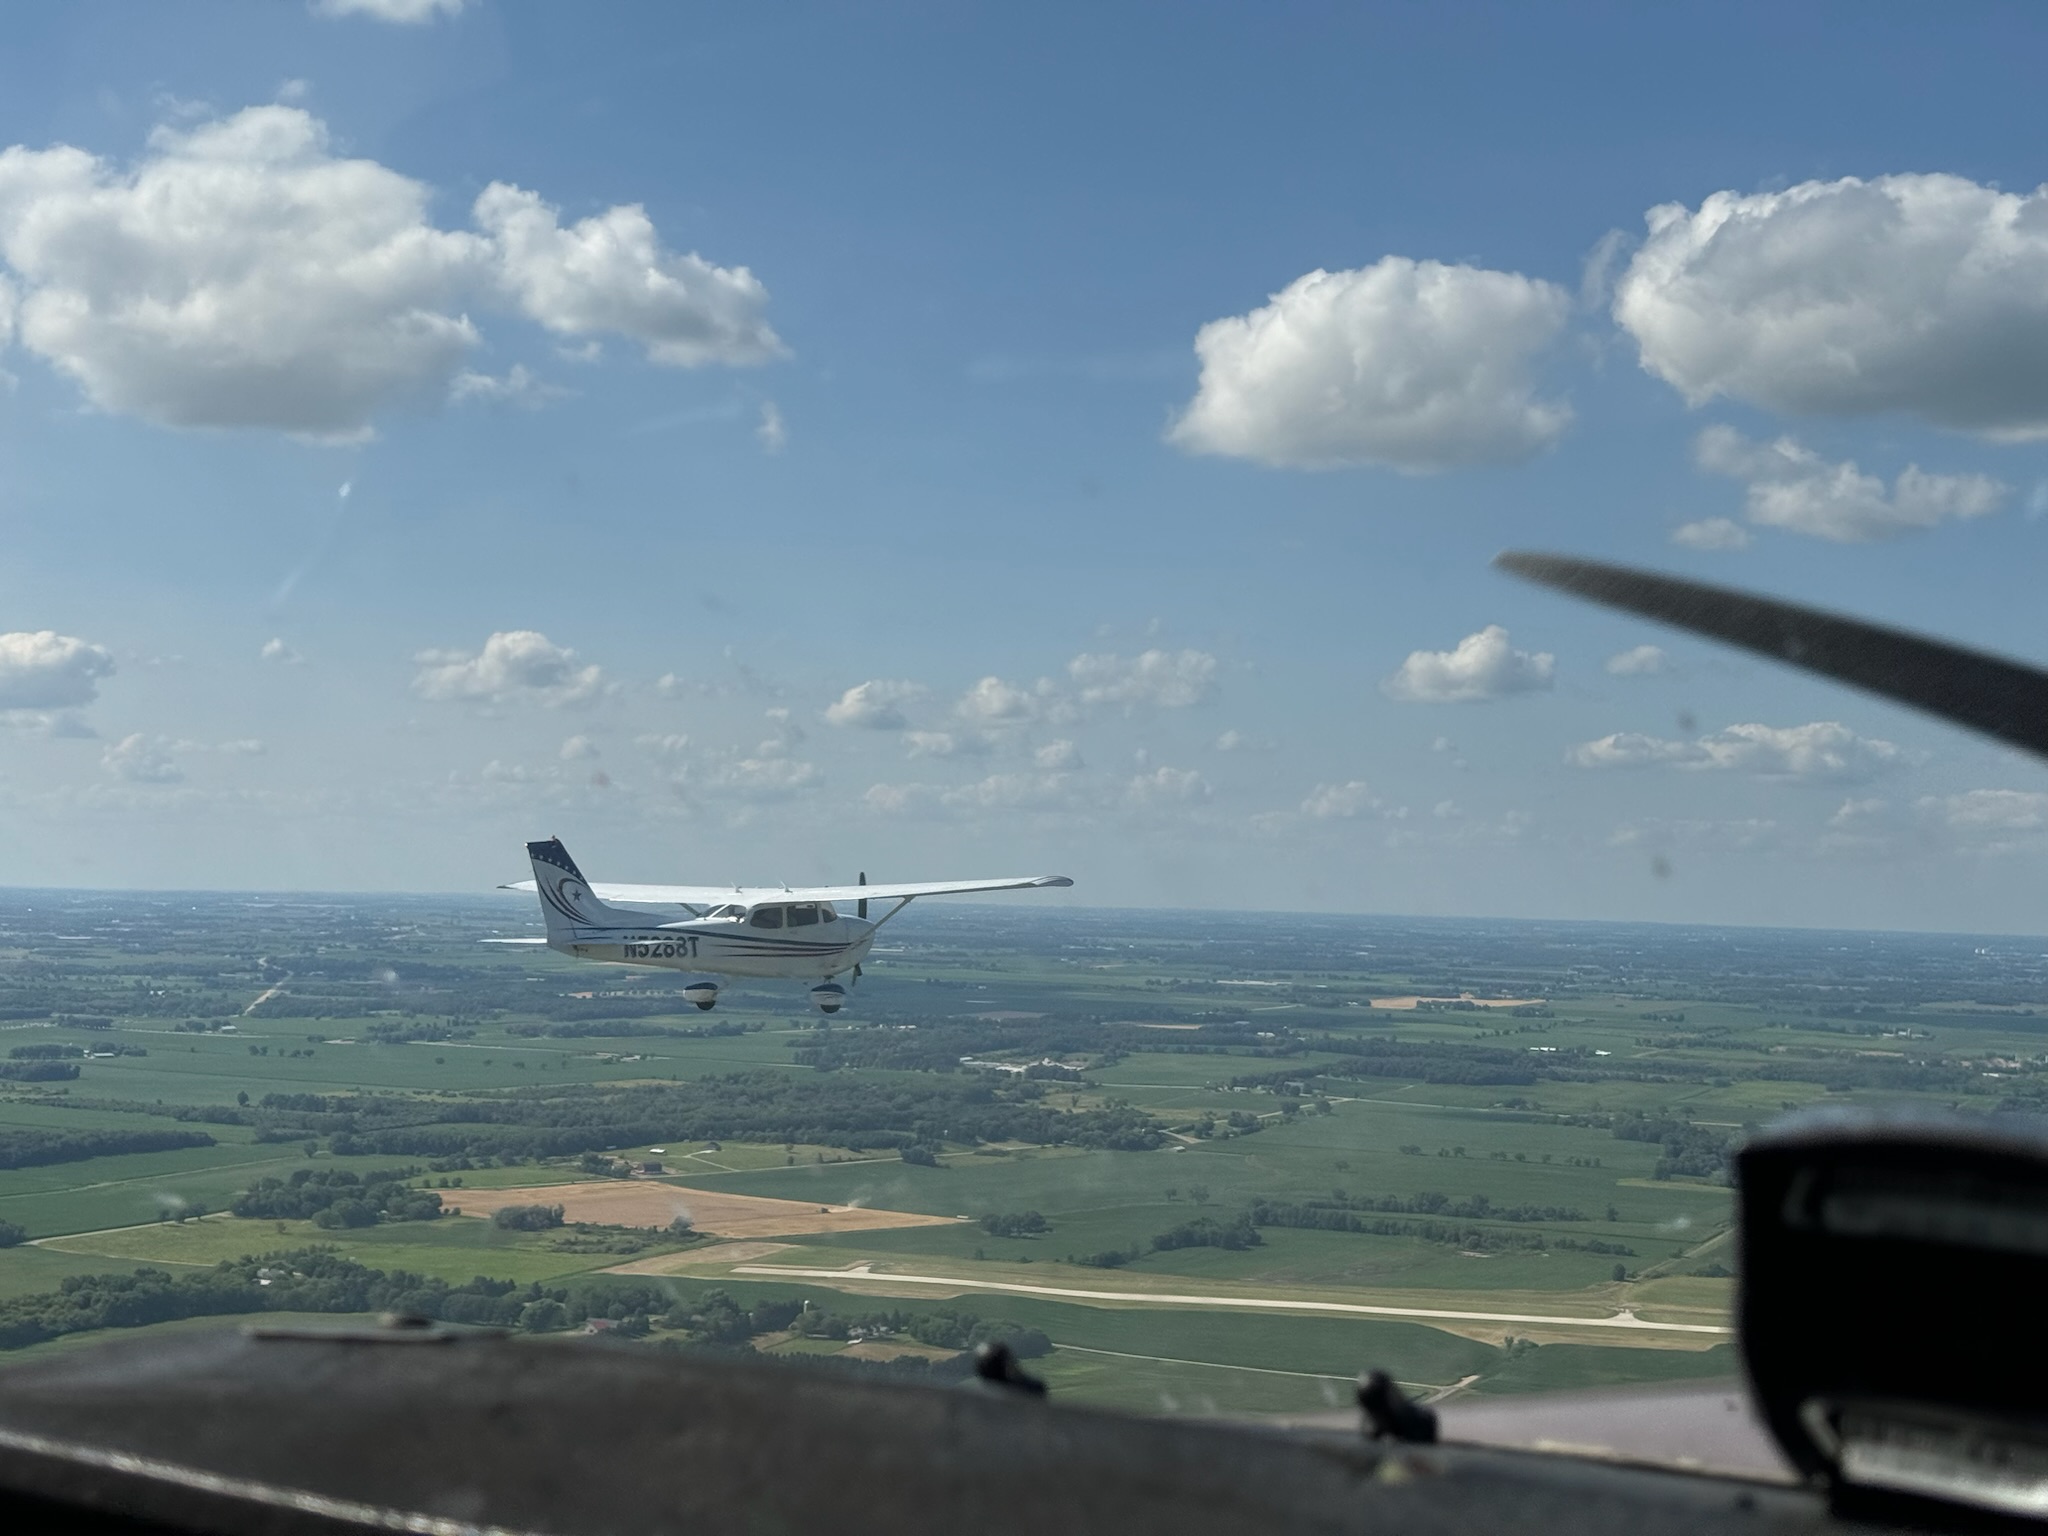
(725, 946)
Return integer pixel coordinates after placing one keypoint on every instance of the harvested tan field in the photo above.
(651, 1203)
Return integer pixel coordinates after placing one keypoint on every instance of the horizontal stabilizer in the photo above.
(749, 895)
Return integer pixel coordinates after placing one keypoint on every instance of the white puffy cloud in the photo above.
(1639, 661)
(141, 759)
(995, 702)
(1415, 365)
(1790, 486)
(1167, 786)
(872, 706)
(1162, 679)
(1991, 814)
(1014, 792)
(403, 12)
(1483, 666)
(518, 385)
(238, 276)
(663, 746)
(274, 649)
(771, 431)
(41, 669)
(241, 275)
(758, 778)
(610, 273)
(577, 748)
(1926, 294)
(1058, 757)
(1711, 533)
(513, 664)
(945, 744)
(1340, 802)
(1824, 749)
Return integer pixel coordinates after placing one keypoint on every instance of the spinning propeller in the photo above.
(2004, 699)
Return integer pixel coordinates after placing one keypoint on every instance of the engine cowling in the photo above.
(830, 997)
(703, 993)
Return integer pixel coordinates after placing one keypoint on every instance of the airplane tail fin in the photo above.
(567, 903)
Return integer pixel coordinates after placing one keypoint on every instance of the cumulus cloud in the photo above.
(403, 12)
(577, 748)
(1711, 533)
(1483, 666)
(995, 702)
(1990, 817)
(1162, 679)
(759, 778)
(771, 432)
(945, 744)
(41, 669)
(1418, 366)
(518, 386)
(1824, 749)
(1790, 486)
(241, 275)
(1925, 294)
(1167, 786)
(610, 273)
(274, 649)
(513, 664)
(1639, 661)
(141, 759)
(1058, 757)
(1340, 802)
(872, 706)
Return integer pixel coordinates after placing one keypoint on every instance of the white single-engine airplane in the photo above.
(730, 930)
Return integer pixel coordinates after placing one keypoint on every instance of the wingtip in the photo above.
(1047, 880)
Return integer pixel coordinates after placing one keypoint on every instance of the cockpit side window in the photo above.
(827, 913)
(767, 917)
(728, 913)
(803, 914)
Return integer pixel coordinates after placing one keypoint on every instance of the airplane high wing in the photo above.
(748, 895)
(728, 930)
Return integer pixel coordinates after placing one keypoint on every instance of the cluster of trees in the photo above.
(564, 1120)
(715, 1320)
(1688, 1150)
(920, 1154)
(338, 1198)
(12, 1234)
(1232, 1232)
(527, 1218)
(1017, 1224)
(38, 1071)
(38, 1148)
(50, 1050)
(1433, 1203)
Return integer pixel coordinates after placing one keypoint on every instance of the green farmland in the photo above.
(1211, 1177)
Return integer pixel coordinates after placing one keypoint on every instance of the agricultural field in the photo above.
(1190, 1163)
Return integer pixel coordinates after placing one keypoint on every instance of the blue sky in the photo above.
(374, 380)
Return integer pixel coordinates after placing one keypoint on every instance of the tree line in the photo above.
(39, 1148)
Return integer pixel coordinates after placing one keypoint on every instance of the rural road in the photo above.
(1626, 1320)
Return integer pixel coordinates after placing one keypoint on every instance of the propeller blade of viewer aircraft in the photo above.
(2004, 699)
